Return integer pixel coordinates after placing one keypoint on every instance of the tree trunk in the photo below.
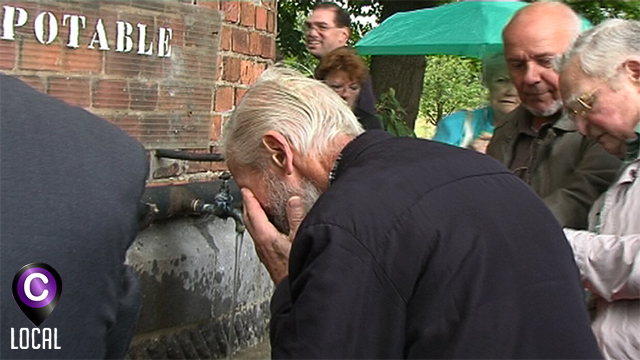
(404, 73)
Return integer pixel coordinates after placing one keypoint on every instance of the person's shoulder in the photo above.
(454, 117)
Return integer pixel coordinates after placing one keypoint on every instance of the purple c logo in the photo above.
(37, 288)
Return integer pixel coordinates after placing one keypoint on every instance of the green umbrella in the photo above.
(469, 28)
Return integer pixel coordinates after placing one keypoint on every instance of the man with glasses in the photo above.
(537, 140)
(600, 81)
(328, 28)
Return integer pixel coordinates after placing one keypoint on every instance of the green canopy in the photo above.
(468, 28)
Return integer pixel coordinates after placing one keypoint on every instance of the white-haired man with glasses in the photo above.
(600, 82)
(537, 141)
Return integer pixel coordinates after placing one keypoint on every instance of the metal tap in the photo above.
(221, 206)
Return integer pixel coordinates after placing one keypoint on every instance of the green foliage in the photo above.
(391, 114)
(451, 83)
(290, 38)
(597, 11)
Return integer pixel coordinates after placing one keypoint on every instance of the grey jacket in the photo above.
(568, 170)
(609, 262)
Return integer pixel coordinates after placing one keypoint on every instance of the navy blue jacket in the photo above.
(424, 250)
(71, 183)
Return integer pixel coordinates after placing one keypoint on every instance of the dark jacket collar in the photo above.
(354, 148)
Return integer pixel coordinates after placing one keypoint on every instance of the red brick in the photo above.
(261, 18)
(260, 68)
(231, 11)
(190, 128)
(240, 41)
(267, 47)
(178, 32)
(7, 54)
(144, 95)
(193, 63)
(225, 119)
(257, 70)
(35, 56)
(123, 64)
(219, 71)
(225, 38)
(180, 96)
(231, 69)
(74, 91)
(208, 67)
(248, 14)
(210, 4)
(255, 44)
(35, 82)
(187, 66)
(110, 94)
(224, 98)
(247, 76)
(152, 5)
(271, 21)
(129, 123)
(82, 60)
(216, 127)
(154, 129)
(239, 94)
(152, 67)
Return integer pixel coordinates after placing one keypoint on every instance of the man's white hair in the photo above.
(305, 111)
(603, 48)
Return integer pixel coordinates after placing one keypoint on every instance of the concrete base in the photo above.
(186, 267)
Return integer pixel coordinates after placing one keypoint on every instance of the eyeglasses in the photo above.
(585, 102)
(319, 27)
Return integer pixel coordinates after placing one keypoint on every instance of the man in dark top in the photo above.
(70, 186)
(537, 140)
(328, 28)
(409, 248)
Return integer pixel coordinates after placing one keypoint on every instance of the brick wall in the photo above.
(247, 47)
(182, 101)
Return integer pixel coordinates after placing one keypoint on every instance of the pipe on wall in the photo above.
(162, 202)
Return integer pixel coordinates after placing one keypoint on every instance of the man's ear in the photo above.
(632, 67)
(344, 35)
(280, 151)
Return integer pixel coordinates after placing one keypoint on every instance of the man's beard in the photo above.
(551, 110)
(279, 193)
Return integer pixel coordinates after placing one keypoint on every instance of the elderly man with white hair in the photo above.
(600, 81)
(409, 249)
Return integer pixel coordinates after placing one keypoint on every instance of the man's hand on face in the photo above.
(272, 246)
